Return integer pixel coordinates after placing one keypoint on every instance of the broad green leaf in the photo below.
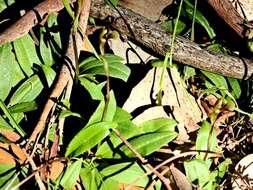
(88, 137)
(23, 107)
(158, 125)
(67, 113)
(45, 48)
(90, 179)
(67, 6)
(95, 66)
(197, 170)
(199, 17)
(28, 91)
(10, 72)
(95, 90)
(26, 54)
(126, 173)
(148, 143)
(206, 139)
(121, 115)
(52, 22)
(236, 88)
(127, 129)
(5, 125)
(71, 174)
(217, 80)
(189, 72)
(8, 175)
(110, 184)
(49, 74)
(217, 48)
(169, 26)
(98, 114)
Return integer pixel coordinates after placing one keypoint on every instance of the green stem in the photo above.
(168, 56)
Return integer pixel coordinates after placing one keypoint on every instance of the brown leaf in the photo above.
(222, 119)
(149, 8)
(6, 158)
(19, 153)
(56, 169)
(180, 179)
(10, 135)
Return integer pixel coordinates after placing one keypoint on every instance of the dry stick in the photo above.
(148, 34)
(37, 176)
(67, 72)
(29, 20)
(152, 36)
(143, 160)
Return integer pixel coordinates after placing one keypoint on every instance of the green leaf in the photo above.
(23, 107)
(223, 167)
(189, 72)
(55, 39)
(148, 143)
(110, 2)
(127, 173)
(4, 126)
(49, 74)
(28, 91)
(236, 88)
(158, 125)
(67, 113)
(127, 129)
(71, 174)
(13, 122)
(95, 90)
(217, 80)
(89, 178)
(5, 4)
(169, 26)
(199, 17)
(98, 114)
(121, 115)
(26, 54)
(10, 72)
(110, 184)
(68, 8)
(8, 177)
(45, 48)
(197, 170)
(95, 66)
(88, 137)
(206, 139)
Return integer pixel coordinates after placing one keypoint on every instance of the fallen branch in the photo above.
(152, 36)
(29, 20)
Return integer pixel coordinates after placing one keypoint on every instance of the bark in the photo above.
(152, 36)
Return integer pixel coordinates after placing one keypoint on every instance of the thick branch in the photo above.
(152, 36)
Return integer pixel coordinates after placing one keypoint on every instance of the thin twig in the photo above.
(143, 160)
